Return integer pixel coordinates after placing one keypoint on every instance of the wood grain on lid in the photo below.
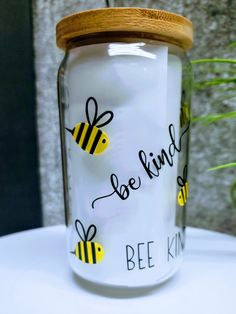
(149, 23)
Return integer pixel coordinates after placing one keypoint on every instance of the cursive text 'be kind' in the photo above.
(151, 166)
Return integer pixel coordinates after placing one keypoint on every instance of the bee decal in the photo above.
(87, 251)
(88, 134)
(184, 111)
(183, 183)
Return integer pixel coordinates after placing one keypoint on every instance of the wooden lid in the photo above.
(143, 23)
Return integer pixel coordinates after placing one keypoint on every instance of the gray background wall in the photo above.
(215, 23)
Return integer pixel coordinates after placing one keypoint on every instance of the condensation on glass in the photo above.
(124, 103)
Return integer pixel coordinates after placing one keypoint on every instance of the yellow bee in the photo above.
(183, 183)
(85, 250)
(88, 135)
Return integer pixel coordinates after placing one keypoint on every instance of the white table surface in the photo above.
(35, 278)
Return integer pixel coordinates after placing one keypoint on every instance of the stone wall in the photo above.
(215, 23)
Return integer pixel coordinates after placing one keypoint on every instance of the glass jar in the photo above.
(124, 100)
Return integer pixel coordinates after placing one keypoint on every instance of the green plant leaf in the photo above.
(221, 67)
(214, 82)
(205, 120)
(224, 166)
(214, 60)
(233, 194)
(233, 44)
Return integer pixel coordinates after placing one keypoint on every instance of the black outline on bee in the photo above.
(183, 183)
(85, 250)
(88, 135)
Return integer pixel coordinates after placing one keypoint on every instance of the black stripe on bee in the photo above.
(80, 132)
(87, 136)
(80, 253)
(86, 252)
(185, 191)
(81, 244)
(95, 142)
(93, 252)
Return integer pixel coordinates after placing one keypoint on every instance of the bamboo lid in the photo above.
(137, 22)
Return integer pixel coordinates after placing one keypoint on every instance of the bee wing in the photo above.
(180, 181)
(92, 230)
(110, 113)
(78, 225)
(93, 100)
(97, 118)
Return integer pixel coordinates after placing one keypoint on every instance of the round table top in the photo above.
(35, 278)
